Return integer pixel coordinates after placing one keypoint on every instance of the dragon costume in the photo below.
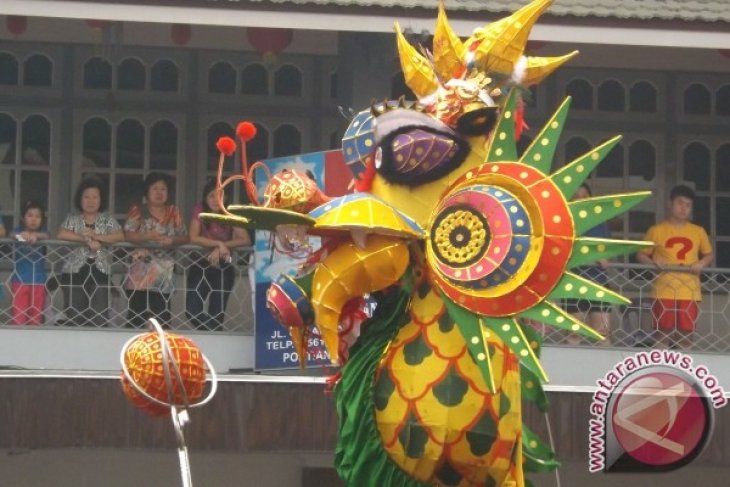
(459, 243)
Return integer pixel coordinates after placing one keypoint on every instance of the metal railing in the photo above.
(98, 296)
(630, 325)
(634, 324)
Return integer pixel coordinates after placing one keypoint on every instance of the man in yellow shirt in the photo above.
(678, 243)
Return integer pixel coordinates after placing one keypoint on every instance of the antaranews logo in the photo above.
(652, 412)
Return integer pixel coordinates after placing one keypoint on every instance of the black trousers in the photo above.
(86, 296)
(211, 283)
(145, 304)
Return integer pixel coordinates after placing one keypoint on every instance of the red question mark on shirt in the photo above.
(685, 245)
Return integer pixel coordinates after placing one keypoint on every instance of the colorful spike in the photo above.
(555, 316)
(540, 153)
(569, 177)
(590, 212)
(572, 286)
(502, 146)
(600, 248)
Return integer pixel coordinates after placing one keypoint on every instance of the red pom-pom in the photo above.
(246, 131)
(226, 145)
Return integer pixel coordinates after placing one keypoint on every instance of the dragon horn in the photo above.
(448, 50)
(417, 70)
(498, 46)
(539, 68)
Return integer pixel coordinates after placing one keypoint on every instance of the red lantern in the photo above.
(269, 42)
(16, 24)
(181, 34)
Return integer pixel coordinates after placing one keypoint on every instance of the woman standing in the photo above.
(211, 277)
(149, 282)
(85, 273)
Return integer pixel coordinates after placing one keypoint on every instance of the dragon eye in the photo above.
(497, 238)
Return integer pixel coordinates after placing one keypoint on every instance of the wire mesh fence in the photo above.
(110, 291)
(672, 322)
(48, 285)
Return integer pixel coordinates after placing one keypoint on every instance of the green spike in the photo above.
(510, 332)
(552, 315)
(476, 340)
(588, 250)
(589, 212)
(532, 388)
(502, 146)
(574, 286)
(534, 337)
(538, 456)
(542, 150)
(236, 221)
(569, 177)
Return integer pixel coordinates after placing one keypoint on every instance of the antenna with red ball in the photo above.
(245, 131)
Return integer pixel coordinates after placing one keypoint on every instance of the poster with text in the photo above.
(274, 348)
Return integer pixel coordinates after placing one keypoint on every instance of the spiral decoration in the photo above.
(501, 239)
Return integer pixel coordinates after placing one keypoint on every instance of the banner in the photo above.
(274, 348)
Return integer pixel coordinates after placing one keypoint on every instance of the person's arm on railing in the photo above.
(110, 238)
(68, 235)
(647, 259)
(705, 261)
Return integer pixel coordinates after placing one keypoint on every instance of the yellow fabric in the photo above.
(678, 246)
(447, 425)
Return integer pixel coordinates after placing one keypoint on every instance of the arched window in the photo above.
(582, 93)
(722, 104)
(255, 80)
(97, 143)
(643, 98)
(696, 163)
(722, 222)
(287, 141)
(130, 144)
(8, 69)
(131, 75)
(163, 146)
(35, 158)
(288, 81)
(37, 71)
(215, 132)
(258, 148)
(36, 141)
(398, 88)
(612, 166)
(642, 160)
(697, 100)
(222, 79)
(8, 132)
(97, 74)
(611, 96)
(722, 161)
(164, 76)
(574, 148)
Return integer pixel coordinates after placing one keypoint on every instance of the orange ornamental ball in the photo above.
(143, 359)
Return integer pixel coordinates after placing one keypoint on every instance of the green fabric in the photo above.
(360, 459)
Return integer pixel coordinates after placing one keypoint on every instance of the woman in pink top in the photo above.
(212, 276)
